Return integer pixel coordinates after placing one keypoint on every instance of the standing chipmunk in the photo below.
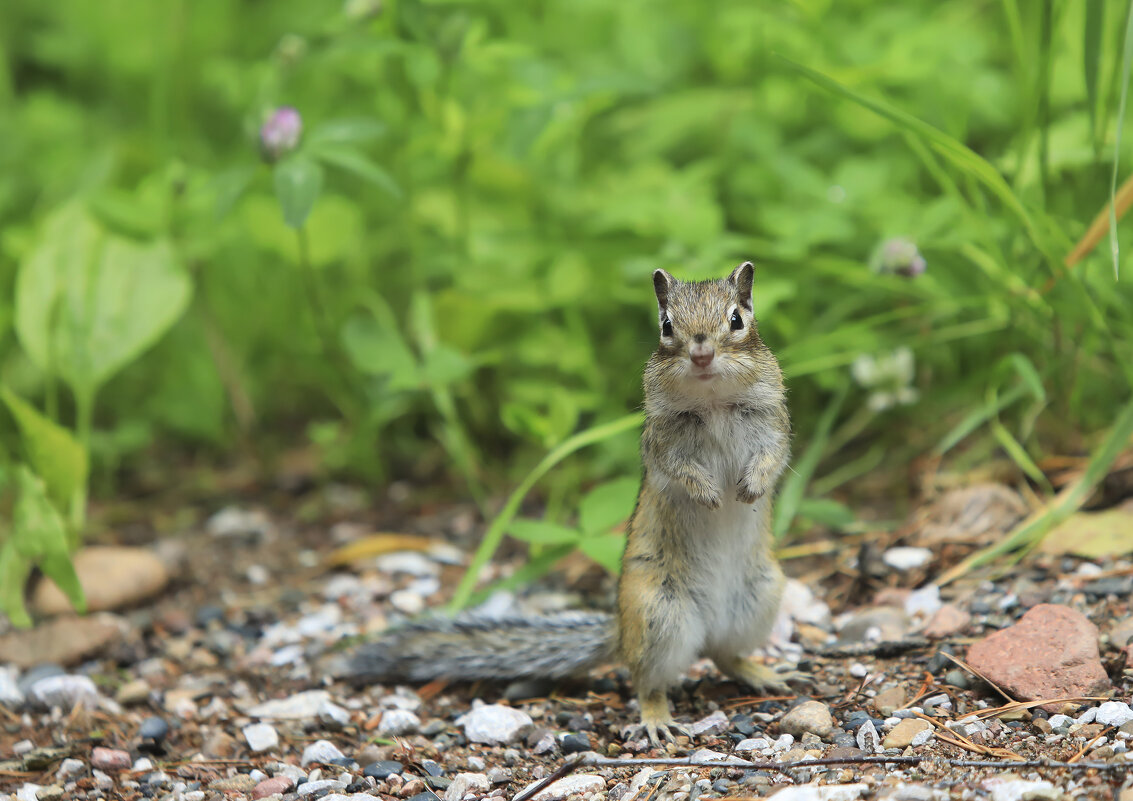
(698, 574)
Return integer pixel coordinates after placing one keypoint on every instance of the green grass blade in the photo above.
(1091, 62)
(1067, 503)
(791, 496)
(495, 533)
(960, 155)
(1126, 62)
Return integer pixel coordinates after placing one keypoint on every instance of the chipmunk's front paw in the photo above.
(706, 495)
(749, 490)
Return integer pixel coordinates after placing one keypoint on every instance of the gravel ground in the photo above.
(214, 685)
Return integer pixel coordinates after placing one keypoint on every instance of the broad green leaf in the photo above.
(298, 181)
(378, 349)
(445, 366)
(827, 512)
(495, 533)
(345, 131)
(39, 534)
(54, 454)
(542, 532)
(14, 571)
(89, 302)
(607, 505)
(354, 162)
(606, 550)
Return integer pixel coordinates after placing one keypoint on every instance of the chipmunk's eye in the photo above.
(737, 321)
(666, 328)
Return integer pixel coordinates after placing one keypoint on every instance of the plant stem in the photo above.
(495, 534)
(324, 329)
(84, 421)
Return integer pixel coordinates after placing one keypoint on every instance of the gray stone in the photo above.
(753, 744)
(64, 692)
(301, 706)
(814, 792)
(322, 751)
(333, 716)
(495, 724)
(578, 784)
(1114, 713)
(312, 788)
(499, 775)
(261, 737)
(398, 722)
(713, 724)
(1021, 790)
(904, 558)
(10, 693)
(809, 716)
(69, 768)
(464, 783)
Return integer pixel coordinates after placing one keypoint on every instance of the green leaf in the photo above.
(14, 572)
(606, 550)
(53, 453)
(1026, 371)
(354, 162)
(345, 131)
(827, 512)
(607, 505)
(378, 349)
(298, 181)
(542, 532)
(495, 533)
(39, 535)
(794, 486)
(89, 302)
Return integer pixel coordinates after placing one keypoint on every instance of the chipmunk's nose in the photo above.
(700, 352)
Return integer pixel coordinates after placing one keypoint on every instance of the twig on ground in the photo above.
(592, 760)
(983, 714)
(1086, 747)
(885, 649)
(976, 673)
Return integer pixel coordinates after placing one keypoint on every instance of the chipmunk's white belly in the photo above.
(738, 593)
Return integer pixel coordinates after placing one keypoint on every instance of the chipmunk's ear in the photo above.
(662, 283)
(742, 277)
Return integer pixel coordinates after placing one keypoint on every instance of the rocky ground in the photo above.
(203, 677)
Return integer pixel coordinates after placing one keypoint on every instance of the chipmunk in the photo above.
(698, 574)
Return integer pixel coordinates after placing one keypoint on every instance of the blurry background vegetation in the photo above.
(451, 277)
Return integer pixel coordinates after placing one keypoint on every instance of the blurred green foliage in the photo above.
(451, 275)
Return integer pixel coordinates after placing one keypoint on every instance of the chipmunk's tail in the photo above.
(477, 647)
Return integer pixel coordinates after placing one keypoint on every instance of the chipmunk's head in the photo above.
(710, 344)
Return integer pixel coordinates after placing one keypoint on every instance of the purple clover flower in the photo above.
(899, 256)
(280, 134)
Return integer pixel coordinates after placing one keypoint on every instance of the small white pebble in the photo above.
(858, 670)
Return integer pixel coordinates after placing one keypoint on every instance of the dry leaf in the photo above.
(1093, 535)
(376, 545)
